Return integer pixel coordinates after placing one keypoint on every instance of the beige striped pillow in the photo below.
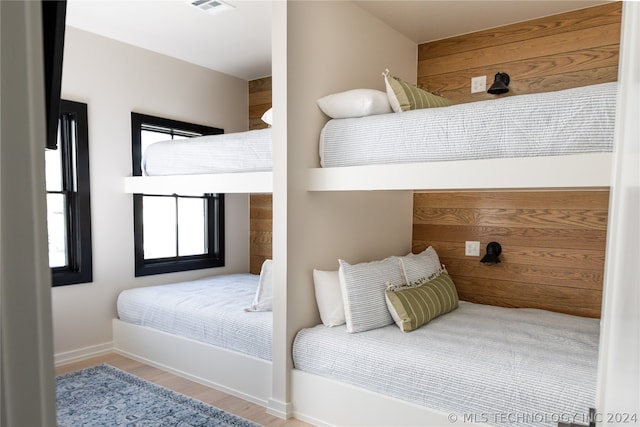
(405, 96)
(363, 286)
(415, 306)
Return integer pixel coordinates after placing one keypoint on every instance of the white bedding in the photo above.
(502, 366)
(248, 151)
(571, 121)
(210, 310)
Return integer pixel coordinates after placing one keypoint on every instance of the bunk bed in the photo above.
(573, 115)
(206, 330)
(560, 139)
(497, 365)
(437, 363)
(477, 364)
(238, 162)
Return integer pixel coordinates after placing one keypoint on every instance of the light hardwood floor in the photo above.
(224, 401)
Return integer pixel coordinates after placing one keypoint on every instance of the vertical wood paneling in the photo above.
(260, 233)
(553, 245)
(259, 101)
(260, 205)
(568, 50)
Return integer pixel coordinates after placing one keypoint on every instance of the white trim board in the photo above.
(240, 182)
(590, 170)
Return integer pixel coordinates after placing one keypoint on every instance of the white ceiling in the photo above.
(235, 42)
(238, 42)
(423, 21)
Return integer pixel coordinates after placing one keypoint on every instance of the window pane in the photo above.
(191, 226)
(148, 137)
(53, 168)
(57, 226)
(159, 216)
(73, 142)
(176, 235)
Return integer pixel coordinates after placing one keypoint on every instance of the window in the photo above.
(174, 232)
(68, 198)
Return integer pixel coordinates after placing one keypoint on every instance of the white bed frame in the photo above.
(570, 171)
(591, 170)
(206, 364)
(238, 182)
(323, 401)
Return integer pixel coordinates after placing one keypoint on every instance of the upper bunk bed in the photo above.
(238, 162)
(560, 139)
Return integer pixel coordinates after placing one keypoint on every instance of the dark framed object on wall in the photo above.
(53, 29)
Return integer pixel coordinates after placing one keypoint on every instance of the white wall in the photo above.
(328, 47)
(115, 79)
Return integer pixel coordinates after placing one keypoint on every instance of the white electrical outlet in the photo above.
(471, 248)
(478, 84)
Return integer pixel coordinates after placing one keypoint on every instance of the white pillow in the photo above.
(266, 117)
(363, 292)
(263, 300)
(355, 103)
(329, 297)
(426, 265)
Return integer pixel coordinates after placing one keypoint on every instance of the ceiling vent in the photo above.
(211, 6)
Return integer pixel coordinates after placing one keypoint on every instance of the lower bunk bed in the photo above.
(207, 330)
(477, 364)
(396, 346)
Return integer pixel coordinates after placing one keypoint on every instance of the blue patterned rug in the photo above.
(106, 396)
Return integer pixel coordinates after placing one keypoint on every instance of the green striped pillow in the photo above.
(412, 307)
(405, 96)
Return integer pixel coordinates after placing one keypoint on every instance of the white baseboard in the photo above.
(82, 353)
(280, 409)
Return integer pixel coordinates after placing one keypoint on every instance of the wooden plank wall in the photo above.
(259, 101)
(553, 241)
(260, 232)
(559, 52)
(553, 246)
(260, 205)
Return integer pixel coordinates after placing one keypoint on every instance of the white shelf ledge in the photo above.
(240, 182)
(591, 170)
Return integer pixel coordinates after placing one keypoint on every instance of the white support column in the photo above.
(280, 402)
(618, 401)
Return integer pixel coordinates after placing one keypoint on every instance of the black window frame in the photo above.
(214, 205)
(79, 268)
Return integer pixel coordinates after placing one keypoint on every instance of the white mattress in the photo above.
(571, 121)
(248, 151)
(524, 365)
(210, 310)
